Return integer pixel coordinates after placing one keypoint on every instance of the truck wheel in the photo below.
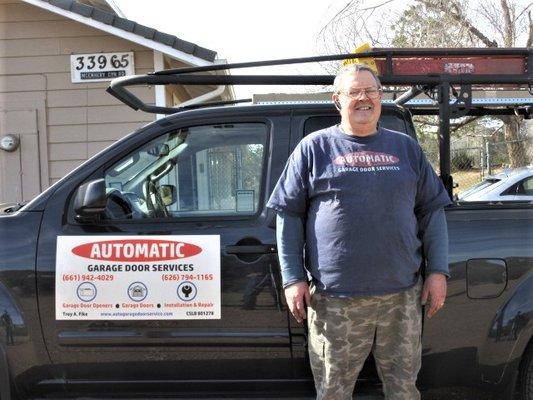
(525, 379)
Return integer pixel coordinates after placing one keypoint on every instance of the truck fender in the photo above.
(5, 385)
(509, 334)
(10, 311)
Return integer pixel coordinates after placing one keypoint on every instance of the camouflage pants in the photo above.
(343, 331)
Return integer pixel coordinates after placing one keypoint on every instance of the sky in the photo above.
(240, 30)
(252, 30)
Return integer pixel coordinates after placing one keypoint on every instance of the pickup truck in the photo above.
(102, 293)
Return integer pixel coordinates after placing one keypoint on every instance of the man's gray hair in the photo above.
(352, 69)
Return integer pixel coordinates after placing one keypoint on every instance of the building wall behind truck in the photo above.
(74, 121)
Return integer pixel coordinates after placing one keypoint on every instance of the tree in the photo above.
(425, 23)
(437, 23)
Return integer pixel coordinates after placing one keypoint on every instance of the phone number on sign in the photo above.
(86, 277)
(187, 277)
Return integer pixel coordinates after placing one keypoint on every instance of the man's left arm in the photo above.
(435, 241)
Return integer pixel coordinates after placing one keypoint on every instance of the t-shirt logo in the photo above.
(365, 159)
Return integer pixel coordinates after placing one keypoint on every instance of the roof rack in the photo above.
(486, 102)
(398, 67)
(435, 72)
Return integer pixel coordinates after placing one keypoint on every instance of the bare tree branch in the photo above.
(523, 11)
(355, 23)
(424, 122)
(491, 13)
(365, 27)
(530, 37)
(458, 16)
(466, 121)
(343, 9)
(379, 5)
(453, 126)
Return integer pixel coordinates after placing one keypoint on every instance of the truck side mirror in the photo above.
(90, 199)
(168, 194)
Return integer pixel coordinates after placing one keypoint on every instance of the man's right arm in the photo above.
(290, 240)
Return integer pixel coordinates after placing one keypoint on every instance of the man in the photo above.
(358, 197)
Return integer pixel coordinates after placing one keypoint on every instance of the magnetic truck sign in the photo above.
(138, 277)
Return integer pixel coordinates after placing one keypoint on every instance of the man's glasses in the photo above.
(371, 93)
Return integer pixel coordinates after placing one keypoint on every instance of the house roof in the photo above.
(111, 19)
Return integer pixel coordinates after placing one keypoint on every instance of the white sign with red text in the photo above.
(138, 277)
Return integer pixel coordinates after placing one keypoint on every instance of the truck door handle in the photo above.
(252, 249)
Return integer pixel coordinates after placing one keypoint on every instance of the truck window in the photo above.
(209, 170)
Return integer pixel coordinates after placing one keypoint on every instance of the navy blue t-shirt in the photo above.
(360, 198)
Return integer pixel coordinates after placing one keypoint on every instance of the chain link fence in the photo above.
(470, 165)
(231, 169)
(221, 177)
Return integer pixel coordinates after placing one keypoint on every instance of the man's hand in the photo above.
(435, 290)
(298, 298)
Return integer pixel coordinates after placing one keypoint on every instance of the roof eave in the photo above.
(132, 37)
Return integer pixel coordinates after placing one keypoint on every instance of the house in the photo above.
(56, 60)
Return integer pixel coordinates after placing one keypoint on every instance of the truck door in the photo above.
(200, 179)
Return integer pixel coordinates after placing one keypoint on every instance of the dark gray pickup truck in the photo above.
(151, 270)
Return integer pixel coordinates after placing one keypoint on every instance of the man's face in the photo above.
(362, 111)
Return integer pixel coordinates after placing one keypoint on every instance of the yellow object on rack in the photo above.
(369, 61)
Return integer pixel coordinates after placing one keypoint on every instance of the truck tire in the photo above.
(525, 379)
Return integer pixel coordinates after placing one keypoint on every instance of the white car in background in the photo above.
(509, 185)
